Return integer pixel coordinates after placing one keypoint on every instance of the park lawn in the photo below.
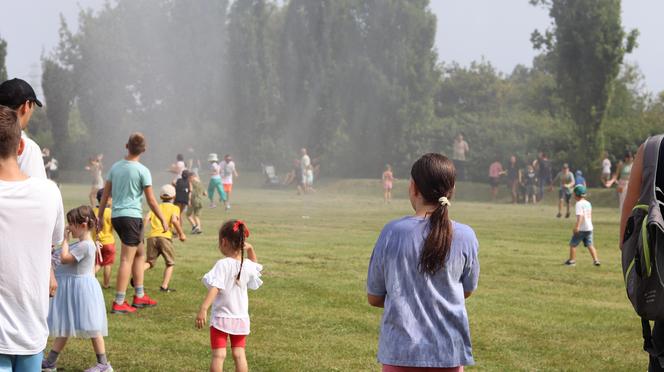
(529, 313)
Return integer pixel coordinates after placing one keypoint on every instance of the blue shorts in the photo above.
(582, 236)
(20, 363)
(566, 194)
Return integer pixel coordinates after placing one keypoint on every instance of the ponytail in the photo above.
(438, 242)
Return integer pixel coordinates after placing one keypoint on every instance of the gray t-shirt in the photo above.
(424, 323)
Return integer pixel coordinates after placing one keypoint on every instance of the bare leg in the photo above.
(59, 344)
(560, 206)
(138, 266)
(192, 220)
(168, 273)
(107, 275)
(593, 252)
(572, 253)
(218, 356)
(240, 359)
(99, 345)
(127, 256)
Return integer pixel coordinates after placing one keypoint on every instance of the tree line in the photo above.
(357, 82)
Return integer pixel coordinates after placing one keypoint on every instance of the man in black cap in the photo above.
(18, 95)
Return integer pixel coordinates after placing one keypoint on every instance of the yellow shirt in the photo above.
(106, 235)
(168, 210)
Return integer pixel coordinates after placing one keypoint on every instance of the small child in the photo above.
(215, 181)
(227, 285)
(388, 179)
(531, 185)
(182, 192)
(194, 210)
(579, 179)
(309, 178)
(583, 229)
(78, 309)
(160, 241)
(107, 240)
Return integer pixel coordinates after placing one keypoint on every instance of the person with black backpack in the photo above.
(641, 231)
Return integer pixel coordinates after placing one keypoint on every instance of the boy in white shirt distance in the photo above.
(583, 229)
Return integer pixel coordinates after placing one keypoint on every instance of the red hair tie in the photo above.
(237, 225)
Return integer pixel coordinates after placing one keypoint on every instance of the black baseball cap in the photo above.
(15, 92)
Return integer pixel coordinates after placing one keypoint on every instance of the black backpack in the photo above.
(643, 245)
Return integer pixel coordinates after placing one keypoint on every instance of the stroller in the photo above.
(271, 179)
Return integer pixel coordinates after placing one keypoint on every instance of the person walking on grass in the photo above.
(460, 150)
(105, 237)
(78, 309)
(227, 285)
(95, 167)
(567, 181)
(196, 204)
(228, 172)
(621, 177)
(388, 180)
(127, 181)
(31, 221)
(160, 240)
(583, 228)
(215, 181)
(183, 192)
(495, 171)
(422, 269)
(513, 178)
(606, 168)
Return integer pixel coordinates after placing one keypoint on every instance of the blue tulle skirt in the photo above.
(78, 308)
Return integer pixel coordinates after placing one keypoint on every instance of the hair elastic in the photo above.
(237, 225)
(444, 201)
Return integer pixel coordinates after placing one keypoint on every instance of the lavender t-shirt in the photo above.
(424, 323)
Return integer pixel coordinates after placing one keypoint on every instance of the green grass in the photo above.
(529, 313)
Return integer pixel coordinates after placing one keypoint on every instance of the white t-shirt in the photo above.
(31, 221)
(583, 208)
(31, 161)
(304, 163)
(606, 166)
(215, 170)
(227, 171)
(230, 310)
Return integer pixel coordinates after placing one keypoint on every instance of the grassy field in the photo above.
(529, 313)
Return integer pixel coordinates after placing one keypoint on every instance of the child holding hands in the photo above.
(227, 285)
(78, 309)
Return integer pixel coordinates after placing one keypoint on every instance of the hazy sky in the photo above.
(468, 30)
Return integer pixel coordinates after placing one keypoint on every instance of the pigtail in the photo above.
(438, 242)
(235, 232)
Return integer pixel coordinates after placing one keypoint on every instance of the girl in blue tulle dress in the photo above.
(78, 309)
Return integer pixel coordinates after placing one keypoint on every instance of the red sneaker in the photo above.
(144, 301)
(122, 309)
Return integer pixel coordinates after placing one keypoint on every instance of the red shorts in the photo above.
(107, 255)
(228, 187)
(218, 339)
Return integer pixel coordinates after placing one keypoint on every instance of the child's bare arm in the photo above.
(251, 253)
(66, 256)
(201, 318)
(178, 227)
(154, 206)
(108, 188)
(146, 219)
(579, 220)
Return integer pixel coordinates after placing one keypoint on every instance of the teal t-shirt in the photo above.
(129, 179)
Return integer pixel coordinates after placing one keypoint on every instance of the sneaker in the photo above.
(596, 263)
(570, 263)
(167, 290)
(213, 205)
(48, 367)
(100, 368)
(197, 230)
(122, 309)
(228, 206)
(559, 215)
(193, 229)
(144, 301)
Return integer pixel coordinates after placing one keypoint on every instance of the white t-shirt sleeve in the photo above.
(254, 275)
(59, 228)
(31, 161)
(79, 250)
(216, 277)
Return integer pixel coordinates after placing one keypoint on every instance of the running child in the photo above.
(183, 192)
(78, 310)
(194, 209)
(388, 180)
(215, 181)
(583, 229)
(107, 240)
(531, 184)
(227, 285)
(424, 266)
(127, 181)
(160, 240)
(229, 171)
(309, 179)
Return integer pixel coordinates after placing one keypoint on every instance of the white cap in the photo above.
(213, 157)
(167, 191)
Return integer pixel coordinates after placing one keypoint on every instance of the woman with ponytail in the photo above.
(422, 269)
(227, 285)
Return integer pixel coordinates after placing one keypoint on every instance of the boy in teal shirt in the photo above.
(127, 182)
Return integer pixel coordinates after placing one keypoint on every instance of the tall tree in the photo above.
(3, 56)
(586, 45)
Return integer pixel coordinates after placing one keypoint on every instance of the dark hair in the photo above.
(434, 177)
(100, 193)
(136, 143)
(10, 132)
(179, 157)
(235, 232)
(186, 174)
(81, 215)
(628, 154)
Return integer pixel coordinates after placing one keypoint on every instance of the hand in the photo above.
(52, 285)
(201, 319)
(575, 230)
(183, 237)
(67, 233)
(165, 225)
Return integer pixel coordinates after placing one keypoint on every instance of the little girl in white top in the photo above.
(227, 285)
